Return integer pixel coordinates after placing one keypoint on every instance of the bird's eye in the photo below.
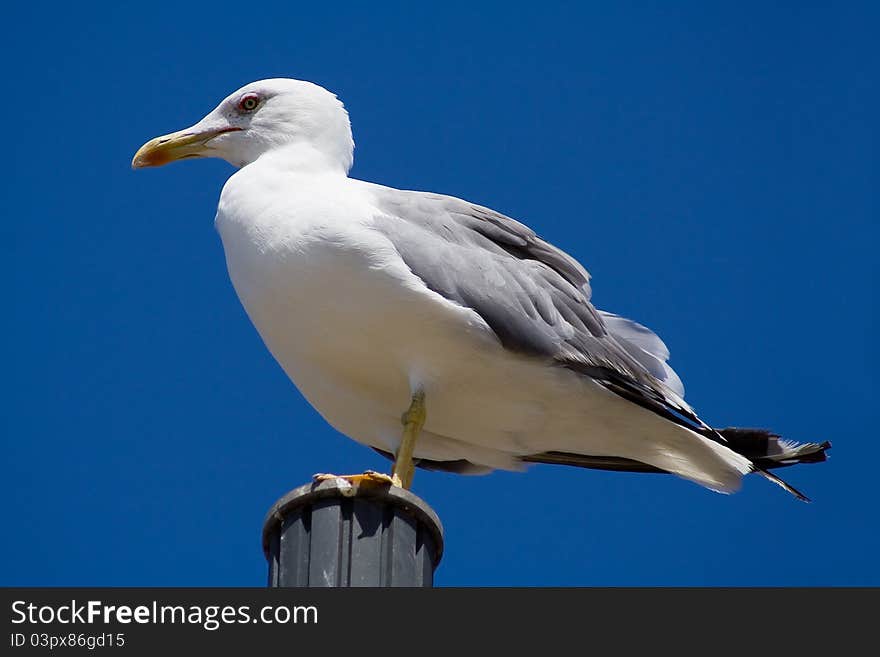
(248, 102)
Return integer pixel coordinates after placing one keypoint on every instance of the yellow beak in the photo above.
(176, 146)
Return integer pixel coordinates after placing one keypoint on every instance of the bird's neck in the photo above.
(303, 157)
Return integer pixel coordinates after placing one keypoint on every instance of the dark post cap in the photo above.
(331, 533)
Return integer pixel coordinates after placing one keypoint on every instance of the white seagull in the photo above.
(382, 304)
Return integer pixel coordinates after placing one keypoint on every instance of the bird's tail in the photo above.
(764, 449)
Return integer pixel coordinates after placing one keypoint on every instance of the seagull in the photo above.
(441, 333)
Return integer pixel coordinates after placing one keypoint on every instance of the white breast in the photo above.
(334, 303)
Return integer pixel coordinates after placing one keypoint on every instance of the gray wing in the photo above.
(646, 347)
(535, 297)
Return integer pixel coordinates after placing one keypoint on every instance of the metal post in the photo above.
(334, 534)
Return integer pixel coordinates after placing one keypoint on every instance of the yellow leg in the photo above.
(404, 469)
(413, 421)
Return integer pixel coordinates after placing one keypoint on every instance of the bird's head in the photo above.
(278, 115)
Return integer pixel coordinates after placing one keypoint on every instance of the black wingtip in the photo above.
(768, 450)
(783, 484)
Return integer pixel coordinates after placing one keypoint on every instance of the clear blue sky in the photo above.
(714, 168)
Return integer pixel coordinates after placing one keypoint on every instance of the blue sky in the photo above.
(714, 167)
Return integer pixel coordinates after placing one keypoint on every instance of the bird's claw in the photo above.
(368, 477)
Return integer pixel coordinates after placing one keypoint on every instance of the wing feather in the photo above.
(534, 296)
